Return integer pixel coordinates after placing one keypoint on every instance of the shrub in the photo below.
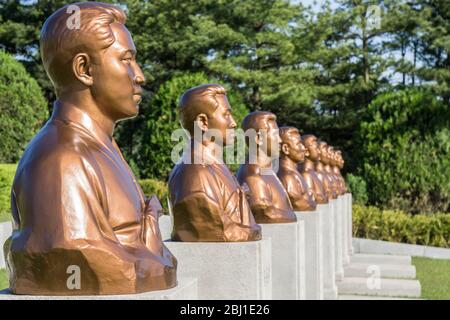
(7, 172)
(357, 186)
(158, 188)
(404, 145)
(23, 108)
(397, 226)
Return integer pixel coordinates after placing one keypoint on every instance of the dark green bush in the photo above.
(404, 145)
(23, 108)
(398, 226)
(358, 187)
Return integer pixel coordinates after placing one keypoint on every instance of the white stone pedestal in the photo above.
(227, 270)
(288, 259)
(165, 226)
(328, 243)
(338, 238)
(314, 255)
(348, 200)
(5, 233)
(185, 290)
(345, 231)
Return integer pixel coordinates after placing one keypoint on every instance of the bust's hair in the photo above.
(286, 132)
(61, 40)
(258, 120)
(307, 138)
(200, 99)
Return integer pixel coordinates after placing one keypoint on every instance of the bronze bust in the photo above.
(77, 207)
(322, 174)
(268, 198)
(308, 171)
(207, 202)
(292, 153)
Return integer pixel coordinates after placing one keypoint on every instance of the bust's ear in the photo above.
(201, 121)
(285, 148)
(81, 69)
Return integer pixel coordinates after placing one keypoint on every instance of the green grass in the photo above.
(434, 277)
(3, 279)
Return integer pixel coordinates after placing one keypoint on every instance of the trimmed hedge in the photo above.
(398, 226)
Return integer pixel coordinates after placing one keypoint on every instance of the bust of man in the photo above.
(206, 199)
(328, 166)
(308, 170)
(77, 207)
(292, 153)
(322, 174)
(267, 196)
(338, 164)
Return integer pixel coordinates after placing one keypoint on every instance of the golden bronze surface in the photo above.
(268, 199)
(322, 173)
(81, 223)
(207, 202)
(308, 171)
(293, 153)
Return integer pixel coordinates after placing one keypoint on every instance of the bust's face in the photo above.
(313, 149)
(324, 154)
(297, 150)
(223, 121)
(117, 78)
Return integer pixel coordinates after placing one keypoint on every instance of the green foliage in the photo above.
(4, 283)
(405, 151)
(434, 277)
(7, 172)
(158, 188)
(22, 108)
(357, 186)
(397, 226)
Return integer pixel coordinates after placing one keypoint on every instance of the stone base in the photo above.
(288, 259)
(226, 270)
(165, 226)
(338, 238)
(314, 254)
(185, 290)
(5, 233)
(348, 200)
(329, 280)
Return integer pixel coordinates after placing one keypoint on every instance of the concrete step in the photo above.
(390, 271)
(356, 297)
(380, 259)
(379, 287)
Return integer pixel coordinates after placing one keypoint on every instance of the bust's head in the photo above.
(206, 108)
(86, 47)
(324, 156)
(340, 159)
(312, 146)
(261, 128)
(332, 156)
(291, 144)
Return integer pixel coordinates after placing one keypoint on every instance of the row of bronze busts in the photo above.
(81, 223)
(210, 204)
